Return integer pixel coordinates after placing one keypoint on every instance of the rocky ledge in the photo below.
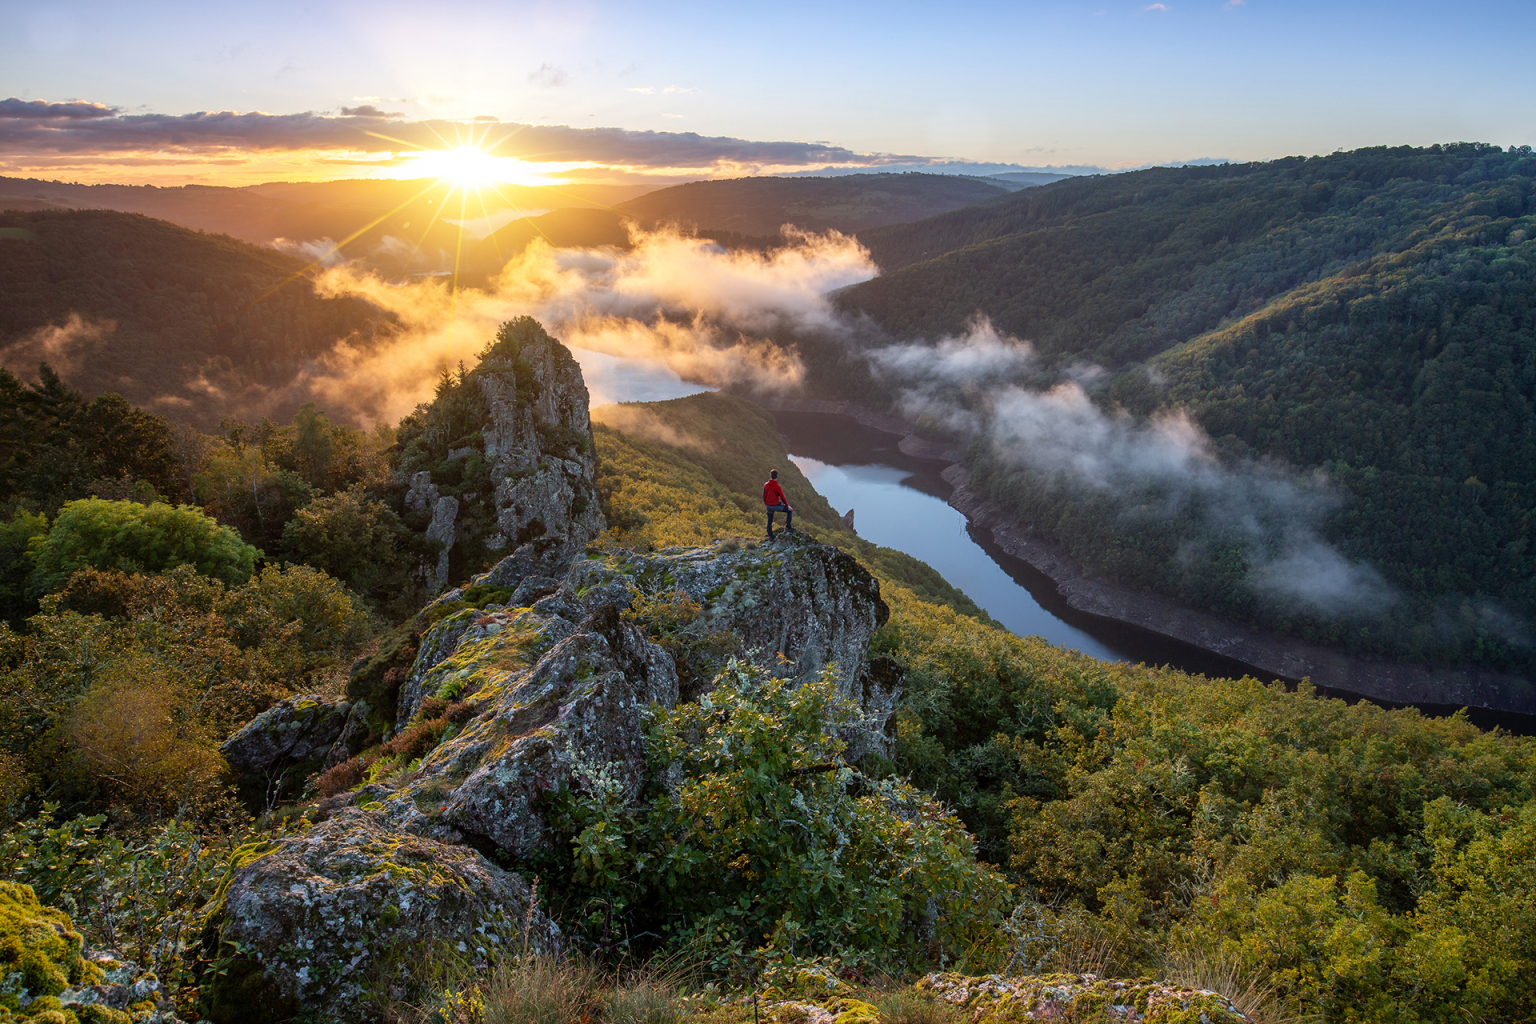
(514, 703)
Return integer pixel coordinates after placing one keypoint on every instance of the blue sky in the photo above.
(1097, 83)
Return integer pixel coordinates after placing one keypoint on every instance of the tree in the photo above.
(355, 538)
(129, 537)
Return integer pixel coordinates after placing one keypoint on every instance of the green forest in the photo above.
(143, 308)
(1369, 315)
(1061, 816)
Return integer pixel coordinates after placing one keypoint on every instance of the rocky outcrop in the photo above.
(504, 458)
(999, 999)
(807, 602)
(352, 905)
(548, 697)
(574, 720)
(291, 740)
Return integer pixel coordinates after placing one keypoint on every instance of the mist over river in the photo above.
(901, 502)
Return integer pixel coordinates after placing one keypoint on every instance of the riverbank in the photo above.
(1266, 654)
(1393, 681)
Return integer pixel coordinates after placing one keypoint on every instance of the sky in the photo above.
(98, 91)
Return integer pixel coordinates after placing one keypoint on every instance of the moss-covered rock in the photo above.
(324, 919)
(549, 717)
(996, 999)
(277, 750)
(40, 952)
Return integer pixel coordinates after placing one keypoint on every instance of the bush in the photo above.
(144, 895)
(357, 539)
(133, 538)
(15, 541)
(137, 734)
(303, 606)
(765, 837)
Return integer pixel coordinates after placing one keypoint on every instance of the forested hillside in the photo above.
(399, 226)
(195, 324)
(849, 203)
(185, 758)
(1371, 315)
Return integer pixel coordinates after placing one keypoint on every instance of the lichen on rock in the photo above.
(320, 919)
(999, 999)
(503, 458)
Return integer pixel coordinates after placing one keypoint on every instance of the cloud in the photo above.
(548, 76)
(36, 127)
(1157, 7)
(368, 110)
(981, 353)
(642, 422)
(40, 110)
(1159, 469)
(66, 347)
(684, 302)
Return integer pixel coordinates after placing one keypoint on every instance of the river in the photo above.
(901, 502)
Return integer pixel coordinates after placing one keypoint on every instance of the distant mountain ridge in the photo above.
(194, 325)
(1370, 315)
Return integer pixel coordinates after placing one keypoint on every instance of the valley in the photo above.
(1147, 471)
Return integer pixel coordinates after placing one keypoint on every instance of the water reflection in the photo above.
(892, 513)
(625, 379)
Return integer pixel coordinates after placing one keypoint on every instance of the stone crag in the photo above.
(555, 676)
(503, 457)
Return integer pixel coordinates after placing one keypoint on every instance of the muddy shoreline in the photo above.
(1268, 654)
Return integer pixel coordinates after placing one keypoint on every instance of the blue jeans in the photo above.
(789, 517)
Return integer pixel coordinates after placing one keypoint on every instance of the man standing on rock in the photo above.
(774, 501)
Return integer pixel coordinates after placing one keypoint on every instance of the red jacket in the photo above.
(773, 494)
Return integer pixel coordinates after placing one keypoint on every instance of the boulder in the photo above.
(326, 918)
(123, 988)
(806, 601)
(281, 747)
(572, 719)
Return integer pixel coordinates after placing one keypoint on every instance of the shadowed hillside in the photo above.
(194, 325)
(760, 206)
(1370, 315)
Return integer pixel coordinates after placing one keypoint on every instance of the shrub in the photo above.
(299, 606)
(144, 894)
(765, 837)
(136, 733)
(340, 778)
(15, 540)
(357, 539)
(135, 538)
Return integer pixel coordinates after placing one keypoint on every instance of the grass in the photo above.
(542, 990)
(908, 1007)
(1218, 972)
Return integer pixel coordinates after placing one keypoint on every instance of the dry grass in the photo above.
(904, 1006)
(644, 998)
(539, 989)
(1254, 996)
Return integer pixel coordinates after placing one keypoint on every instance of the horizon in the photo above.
(594, 93)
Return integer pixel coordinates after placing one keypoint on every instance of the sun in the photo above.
(474, 169)
(464, 166)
